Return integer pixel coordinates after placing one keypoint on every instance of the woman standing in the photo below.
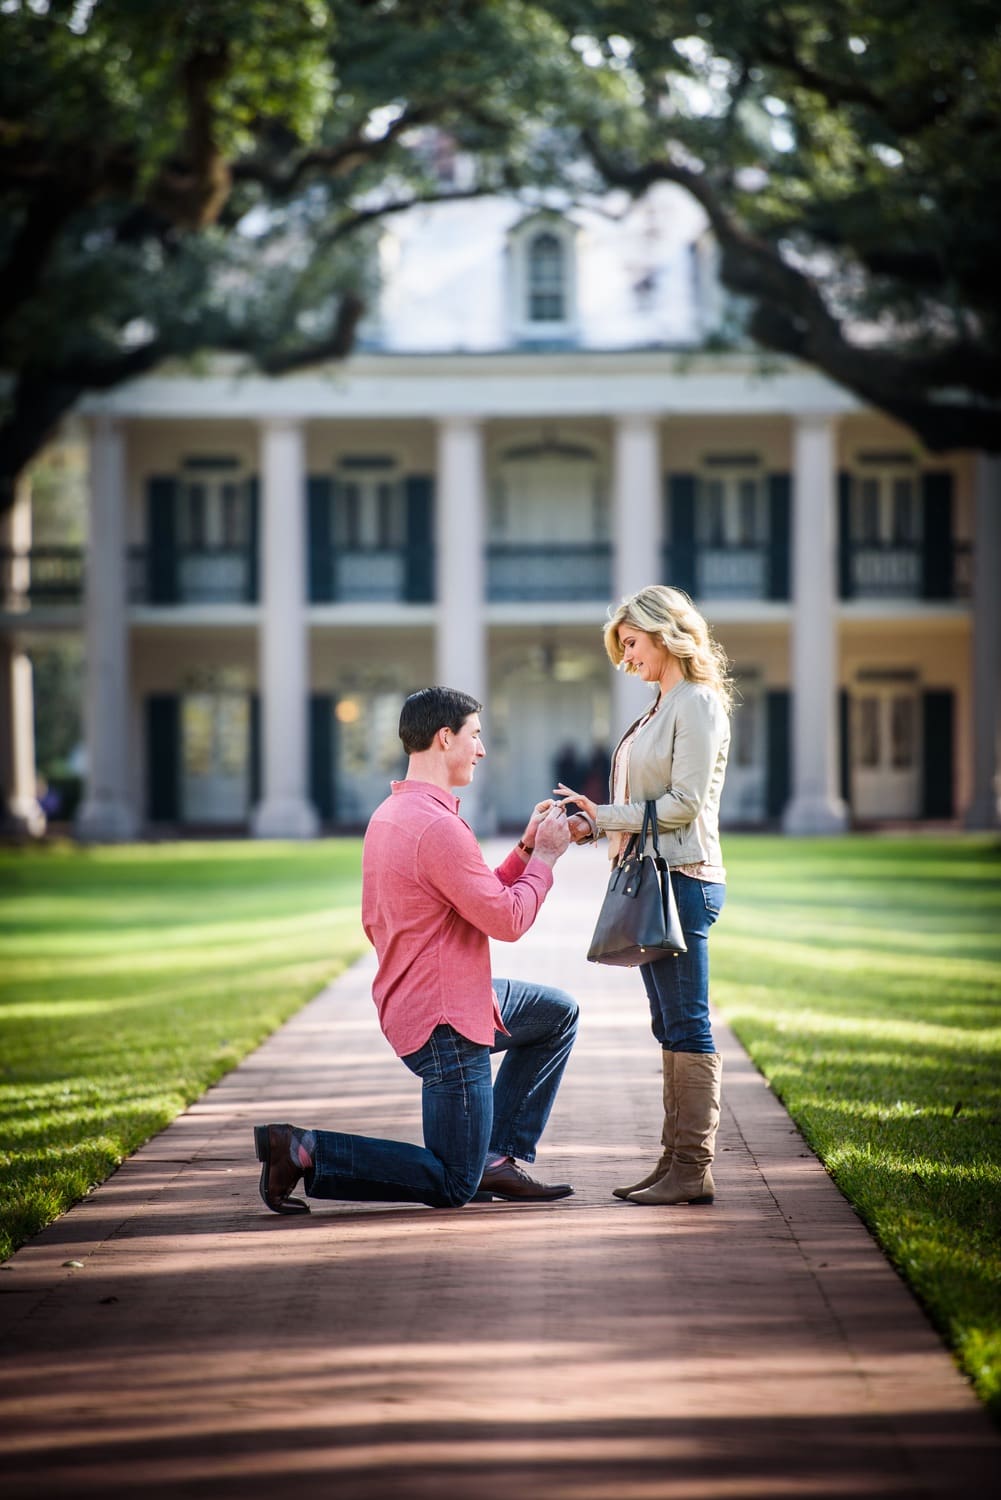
(676, 754)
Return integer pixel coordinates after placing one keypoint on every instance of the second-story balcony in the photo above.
(561, 572)
(41, 576)
(753, 570)
(904, 570)
(371, 575)
(193, 575)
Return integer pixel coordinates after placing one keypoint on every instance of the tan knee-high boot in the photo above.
(697, 1078)
(666, 1135)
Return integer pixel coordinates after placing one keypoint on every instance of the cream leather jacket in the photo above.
(678, 758)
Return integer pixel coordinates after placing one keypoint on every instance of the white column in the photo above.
(638, 535)
(983, 811)
(19, 810)
(816, 806)
(460, 642)
(106, 814)
(20, 813)
(284, 811)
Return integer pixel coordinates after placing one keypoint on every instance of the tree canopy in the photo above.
(183, 175)
(186, 175)
(848, 156)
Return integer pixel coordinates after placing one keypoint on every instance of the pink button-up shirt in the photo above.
(429, 904)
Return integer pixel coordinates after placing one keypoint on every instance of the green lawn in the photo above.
(863, 975)
(864, 978)
(132, 978)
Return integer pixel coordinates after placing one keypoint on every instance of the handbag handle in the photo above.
(649, 830)
(637, 841)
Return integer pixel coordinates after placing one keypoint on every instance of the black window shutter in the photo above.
(253, 540)
(845, 535)
(681, 552)
(779, 534)
(163, 757)
(845, 745)
(161, 539)
(255, 749)
(319, 505)
(419, 587)
(936, 570)
(778, 783)
(321, 755)
(938, 714)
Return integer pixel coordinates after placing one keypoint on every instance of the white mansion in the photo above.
(527, 433)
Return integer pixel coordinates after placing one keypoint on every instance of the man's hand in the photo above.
(552, 836)
(539, 811)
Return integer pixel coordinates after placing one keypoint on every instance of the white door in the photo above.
(215, 758)
(744, 797)
(369, 753)
(886, 758)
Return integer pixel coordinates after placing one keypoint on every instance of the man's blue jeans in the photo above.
(466, 1116)
(678, 988)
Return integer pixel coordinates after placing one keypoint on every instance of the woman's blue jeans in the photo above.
(678, 988)
(467, 1117)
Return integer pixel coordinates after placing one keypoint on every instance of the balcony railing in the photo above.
(904, 570)
(558, 572)
(757, 570)
(561, 572)
(192, 575)
(371, 575)
(42, 576)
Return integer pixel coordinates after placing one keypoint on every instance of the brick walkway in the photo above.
(583, 1350)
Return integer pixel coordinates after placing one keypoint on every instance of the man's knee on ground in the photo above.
(458, 1189)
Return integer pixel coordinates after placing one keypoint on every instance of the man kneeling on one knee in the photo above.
(430, 903)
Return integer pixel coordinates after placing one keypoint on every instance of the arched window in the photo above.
(546, 279)
(542, 290)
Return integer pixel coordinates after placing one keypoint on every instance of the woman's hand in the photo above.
(582, 828)
(565, 794)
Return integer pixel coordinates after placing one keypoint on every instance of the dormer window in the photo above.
(546, 279)
(543, 276)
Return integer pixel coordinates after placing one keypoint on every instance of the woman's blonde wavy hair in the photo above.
(672, 619)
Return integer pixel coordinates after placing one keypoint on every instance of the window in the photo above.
(193, 527)
(214, 530)
(234, 515)
(369, 511)
(886, 509)
(546, 302)
(732, 510)
(542, 285)
(213, 508)
(885, 529)
(731, 522)
(868, 732)
(369, 529)
(903, 737)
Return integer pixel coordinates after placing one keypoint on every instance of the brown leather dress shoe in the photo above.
(512, 1183)
(278, 1175)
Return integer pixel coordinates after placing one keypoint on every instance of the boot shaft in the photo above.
(697, 1079)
